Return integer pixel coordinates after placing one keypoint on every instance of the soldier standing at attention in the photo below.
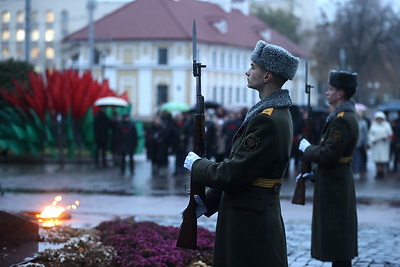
(244, 188)
(334, 221)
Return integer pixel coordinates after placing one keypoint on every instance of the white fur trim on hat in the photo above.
(275, 59)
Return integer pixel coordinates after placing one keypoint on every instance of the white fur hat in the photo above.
(380, 114)
(275, 59)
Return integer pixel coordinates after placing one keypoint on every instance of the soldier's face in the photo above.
(333, 96)
(256, 76)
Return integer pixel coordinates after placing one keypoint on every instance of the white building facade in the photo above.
(151, 72)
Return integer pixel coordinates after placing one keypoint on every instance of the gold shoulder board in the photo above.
(268, 111)
(341, 114)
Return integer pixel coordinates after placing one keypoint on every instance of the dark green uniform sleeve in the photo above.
(334, 144)
(251, 157)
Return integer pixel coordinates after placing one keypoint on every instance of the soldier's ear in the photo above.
(267, 76)
(341, 93)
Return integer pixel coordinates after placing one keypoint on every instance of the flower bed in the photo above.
(150, 244)
(123, 243)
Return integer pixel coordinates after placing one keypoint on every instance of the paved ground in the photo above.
(104, 195)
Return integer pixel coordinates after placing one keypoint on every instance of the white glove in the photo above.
(201, 208)
(190, 158)
(304, 144)
(306, 176)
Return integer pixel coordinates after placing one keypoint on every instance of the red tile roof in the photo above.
(172, 20)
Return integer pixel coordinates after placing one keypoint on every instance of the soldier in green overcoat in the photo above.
(244, 188)
(334, 220)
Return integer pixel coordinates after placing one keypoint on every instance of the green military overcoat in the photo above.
(250, 230)
(334, 220)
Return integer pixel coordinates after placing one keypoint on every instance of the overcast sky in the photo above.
(329, 5)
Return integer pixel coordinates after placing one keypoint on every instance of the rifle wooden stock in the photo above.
(299, 196)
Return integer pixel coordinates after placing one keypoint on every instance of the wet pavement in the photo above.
(104, 195)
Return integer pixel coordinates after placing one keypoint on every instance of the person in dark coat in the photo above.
(244, 188)
(157, 144)
(101, 126)
(210, 136)
(229, 129)
(179, 136)
(396, 143)
(114, 122)
(220, 143)
(127, 142)
(334, 220)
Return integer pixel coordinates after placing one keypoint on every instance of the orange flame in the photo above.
(50, 215)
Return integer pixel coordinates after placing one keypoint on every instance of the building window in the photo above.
(35, 35)
(127, 56)
(49, 35)
(221, 26)
(50, 54)
(162, 56)
(162, 94)
(126, 85)
(230, 95)
(20, 17)
(49, 16)
(34, 16)
(35, 52)
(223, 99)
(5, 52)
(5, 35)
(20, 36)
(19, 52)
(5, 17)
(214, 58)
(245, 62)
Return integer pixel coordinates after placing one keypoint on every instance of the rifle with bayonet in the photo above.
(188, 232)
(299, 196)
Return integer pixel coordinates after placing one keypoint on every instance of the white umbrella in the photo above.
(361, 107)
(111, 101)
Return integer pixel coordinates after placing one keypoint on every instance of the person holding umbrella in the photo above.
(101, 126)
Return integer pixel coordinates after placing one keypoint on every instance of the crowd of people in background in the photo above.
(379, 132)
(122, 142)
(170, 133)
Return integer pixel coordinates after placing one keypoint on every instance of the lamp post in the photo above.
(373, 88)
(91, 6)
(27, 30)
(342, 57)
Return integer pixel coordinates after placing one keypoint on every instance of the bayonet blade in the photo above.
(194, 41)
